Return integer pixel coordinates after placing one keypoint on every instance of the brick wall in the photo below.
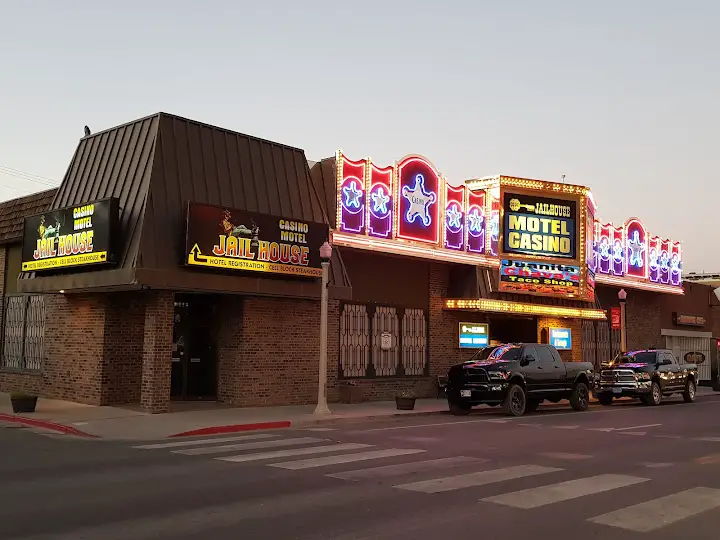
(268, 351)
(123, 348)
(575, 325)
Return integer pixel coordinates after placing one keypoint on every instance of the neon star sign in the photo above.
(420, 201)
(352, 195)
(418, 214)
(380, 200)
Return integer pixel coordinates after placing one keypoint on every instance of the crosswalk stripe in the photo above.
(563, 455)
(294, 452)
(345, 458)
(247, 446)
(407, 468)
(563, 491)
(195, 442)
(476, 479)
(708, 439)
(657, 513)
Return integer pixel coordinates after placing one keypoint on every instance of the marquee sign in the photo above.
(229, 239)
(409, 209)
(539, 226)
(71, 237)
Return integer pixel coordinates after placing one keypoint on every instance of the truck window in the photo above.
(544, 355)
(505, 353)
(639, 357)
(555, 354)
(669, 356)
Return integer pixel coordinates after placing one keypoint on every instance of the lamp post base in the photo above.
(322, 409)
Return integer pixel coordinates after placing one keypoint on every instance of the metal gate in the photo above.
(362, 328)
(23, 332)
(599, 342)
(694, 350)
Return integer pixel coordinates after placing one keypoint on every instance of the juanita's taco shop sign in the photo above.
(230, 239)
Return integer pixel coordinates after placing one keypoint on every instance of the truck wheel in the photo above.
(655, 397)
(579, 399)
(605, 399)
(515, 401)
(532, 405)
(459, 409)
(690, 390)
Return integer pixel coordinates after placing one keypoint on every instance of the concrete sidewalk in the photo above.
(195, 419)
(129, 423)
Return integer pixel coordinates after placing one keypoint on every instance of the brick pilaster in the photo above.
(157, 352)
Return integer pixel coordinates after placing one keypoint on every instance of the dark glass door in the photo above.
(194, 366)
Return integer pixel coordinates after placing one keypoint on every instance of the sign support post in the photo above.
(322, 405)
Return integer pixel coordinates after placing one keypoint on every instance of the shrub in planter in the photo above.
(22, 402)
(405, 400)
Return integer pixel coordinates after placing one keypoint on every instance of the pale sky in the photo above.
(620, 96)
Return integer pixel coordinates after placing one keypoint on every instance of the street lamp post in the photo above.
(622, 297)
(322, 406)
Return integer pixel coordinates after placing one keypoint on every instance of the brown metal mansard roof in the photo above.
(154, 166)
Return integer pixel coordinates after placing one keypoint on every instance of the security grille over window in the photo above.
(414, 351)
(385, 321)
(693, 350)
(362, 332)
(23, 332)
(354, 340)
(599, 343)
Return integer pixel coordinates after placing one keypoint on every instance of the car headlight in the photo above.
(642, 376)
(498, 375)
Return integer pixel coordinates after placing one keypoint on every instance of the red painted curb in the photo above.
(44, 424)
(233, 428)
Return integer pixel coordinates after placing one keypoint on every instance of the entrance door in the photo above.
(194, 365)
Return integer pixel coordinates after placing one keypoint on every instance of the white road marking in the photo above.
(481, 478)
(196, 442)
(708, 439)
(326, 449)
(651, 465)
(631, 428)
(636, 433)
(657, 513)
(604, 429)
(247, 446)
(531, 425)
(564, 427)
(345, 458)
(562, 455)
(406, 468)
(321, 429)
(667, 436)
(563, 491)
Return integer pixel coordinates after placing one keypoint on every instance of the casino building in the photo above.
(179, 261)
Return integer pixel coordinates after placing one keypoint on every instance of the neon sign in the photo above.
(351, 195)
(539, 277)
(539, 226)
(476, 221)
(380, 206)
(409, 208)
(418, 212)
(454, 217)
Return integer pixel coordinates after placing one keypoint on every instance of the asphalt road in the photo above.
(624, 472)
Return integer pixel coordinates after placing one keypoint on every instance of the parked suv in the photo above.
(648, 374)
(519, 377)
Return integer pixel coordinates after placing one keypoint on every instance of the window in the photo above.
(23, 332)
(544, 355)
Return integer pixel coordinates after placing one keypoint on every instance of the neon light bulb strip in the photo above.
(502, 306)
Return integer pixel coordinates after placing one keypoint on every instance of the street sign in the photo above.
(473, 335)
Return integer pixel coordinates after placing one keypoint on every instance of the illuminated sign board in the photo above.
(561, 338)
(539, 226)
(473, 335)
(535, 277)
(229, 239)
(70, 237)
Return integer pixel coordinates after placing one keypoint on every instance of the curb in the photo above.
(232, 428)
(44, 424)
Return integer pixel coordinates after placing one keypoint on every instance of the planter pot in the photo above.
(405, 403)
(24, 404)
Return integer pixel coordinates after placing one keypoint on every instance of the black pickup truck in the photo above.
(519, 377)
(648, 374)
